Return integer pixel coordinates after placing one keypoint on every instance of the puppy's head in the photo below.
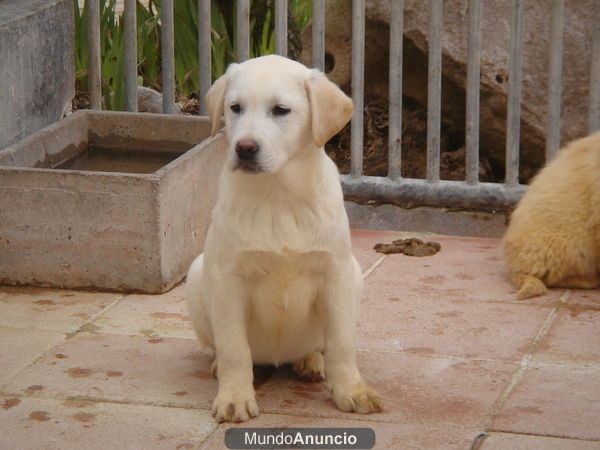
(275, 110)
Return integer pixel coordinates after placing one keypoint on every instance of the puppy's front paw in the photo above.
(359, 398)
(234, 406)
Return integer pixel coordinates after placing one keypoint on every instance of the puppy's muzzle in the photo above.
(247, 151)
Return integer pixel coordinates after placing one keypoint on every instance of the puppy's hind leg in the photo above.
(311, 367)
(528, 285)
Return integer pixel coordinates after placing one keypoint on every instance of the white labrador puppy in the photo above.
(277, 282)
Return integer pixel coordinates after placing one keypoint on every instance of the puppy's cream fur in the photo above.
(554, 234)
(277, 282)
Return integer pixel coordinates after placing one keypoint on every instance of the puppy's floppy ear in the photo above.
(331, 109)
(214, 102)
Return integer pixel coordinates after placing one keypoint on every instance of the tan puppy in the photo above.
(554, 234)
(277, 282)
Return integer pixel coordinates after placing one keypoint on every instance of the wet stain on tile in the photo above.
(201, 374)
(303, 395)
(180, 393)
(40, 416)
(83, 417)
(45, 302)
(77, 403)
(155, 340)
(148, 333)
(35, 387)
(421, 350)
(465, 276)
(89, 327)
(81, 315)
(287, 402)
(434, 279)
(79, 372)
(10, 403)
(163, 315)
(307, 387)
(113, 373)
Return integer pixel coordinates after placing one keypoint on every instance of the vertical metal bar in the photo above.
(318, 35)
(358, 82)
(204, 53)
(513, 114)
(594, 110)
(281, 27)
(129, 17)
(473, 91)
(557, 23)
(93, 57)
(167, 39)
(395, 88)
(434, 90)
(243, 30)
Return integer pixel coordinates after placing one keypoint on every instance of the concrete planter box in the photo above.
(37, 73)
(76, 228)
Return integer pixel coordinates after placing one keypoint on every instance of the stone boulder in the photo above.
(495, 25)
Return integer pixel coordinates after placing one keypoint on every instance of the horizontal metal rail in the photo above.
(446, 194)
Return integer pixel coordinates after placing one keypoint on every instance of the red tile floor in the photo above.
(458, 361)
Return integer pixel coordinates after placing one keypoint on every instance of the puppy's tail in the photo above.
(528, 285)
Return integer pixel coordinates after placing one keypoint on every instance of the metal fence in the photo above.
(470, 193)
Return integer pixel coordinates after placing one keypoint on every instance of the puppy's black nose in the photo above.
(246, 149)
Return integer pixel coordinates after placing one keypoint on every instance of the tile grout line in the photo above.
(552, 436)
(68, 335)
(524, 364)
(373, 267)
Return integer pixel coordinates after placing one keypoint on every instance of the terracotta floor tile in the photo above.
(573, 338)
(503, 441)
(414, 389)
(391, 436)
(488, 330)
(557, 401)
(163, 315)
(123, 368)
(50, 309)
(19, 348)
(27, 423)
(463, 269)
(584, 297)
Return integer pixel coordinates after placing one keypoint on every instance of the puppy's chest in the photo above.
(282, 282)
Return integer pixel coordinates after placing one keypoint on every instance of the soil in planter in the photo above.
(108, 159)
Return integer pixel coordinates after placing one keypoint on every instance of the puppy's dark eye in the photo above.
(280, 110)
(236, 108)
